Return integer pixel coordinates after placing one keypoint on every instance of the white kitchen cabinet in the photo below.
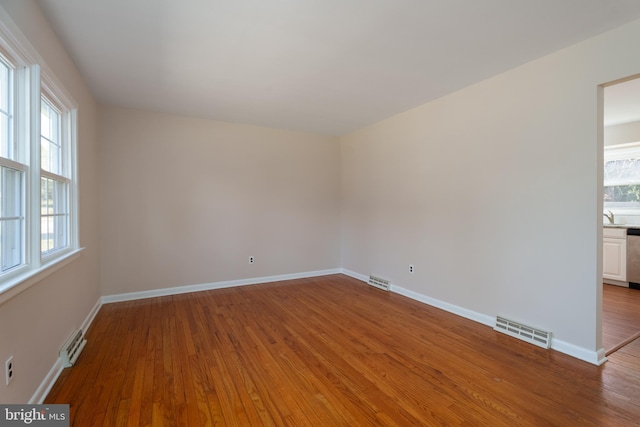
(614, 252)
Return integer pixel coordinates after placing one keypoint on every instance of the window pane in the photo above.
(11, 218)
(54, 217)
(5, 72)
(6, 146)
(620, 172)
(50, 158)
(7, 149)
(11, 241)
(622, 193)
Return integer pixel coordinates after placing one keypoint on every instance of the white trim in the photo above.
(590, 356)
(593, 357)
(74, 192)
(629, 150)
(451, 308)
(92, 315)
(130, 296)
(33, 204)
(469, 314)
(47, 384)
(355, 275)
(21, 283)
(50, 379)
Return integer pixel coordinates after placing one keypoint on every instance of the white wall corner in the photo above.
(354, 275)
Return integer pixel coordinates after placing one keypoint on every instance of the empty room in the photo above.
(321, 213)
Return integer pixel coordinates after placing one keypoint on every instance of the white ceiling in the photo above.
(326, 66)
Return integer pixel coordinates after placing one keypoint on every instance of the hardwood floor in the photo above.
(620, 316)
(329, 351)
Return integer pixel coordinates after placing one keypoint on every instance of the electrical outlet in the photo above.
(411, 269)
(8, 370)
(251, 260)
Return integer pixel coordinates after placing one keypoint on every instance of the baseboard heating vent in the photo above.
(523, 332)
(72, 348)
(379, 283)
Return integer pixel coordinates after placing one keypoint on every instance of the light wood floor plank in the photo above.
(329, 351)
(620, 316)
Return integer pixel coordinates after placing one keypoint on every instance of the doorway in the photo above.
(620, 304)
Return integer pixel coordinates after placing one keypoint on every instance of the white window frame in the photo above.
(68, 172)
(32, 80)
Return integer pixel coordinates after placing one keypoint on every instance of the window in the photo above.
(622, 175)
(38, 214)
(54, 185)
(12, 215)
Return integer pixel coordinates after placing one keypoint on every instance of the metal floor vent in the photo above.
(72, 348)
(523, 332)
(379, 283)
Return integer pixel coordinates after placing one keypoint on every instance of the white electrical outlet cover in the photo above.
(8, 370)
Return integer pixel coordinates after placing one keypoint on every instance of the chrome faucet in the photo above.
(609, 216)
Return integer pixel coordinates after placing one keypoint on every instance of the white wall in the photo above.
(494, 192)
(35, 323)
(622, 133)
(186, 201)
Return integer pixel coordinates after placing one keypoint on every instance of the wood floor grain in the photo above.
(620, 316)
(329, 351)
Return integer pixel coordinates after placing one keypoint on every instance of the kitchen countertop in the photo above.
(621, 225)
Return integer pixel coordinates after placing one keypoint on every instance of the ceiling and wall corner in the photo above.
(327, 67)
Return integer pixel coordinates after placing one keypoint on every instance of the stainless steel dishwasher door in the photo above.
(633, 257)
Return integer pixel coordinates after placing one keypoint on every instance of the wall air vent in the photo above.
(379, 283)
(523, 332)
(72, 348)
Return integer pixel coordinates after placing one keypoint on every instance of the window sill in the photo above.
(21, 283)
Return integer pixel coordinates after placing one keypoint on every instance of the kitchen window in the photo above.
(38, 184)
(622, 175)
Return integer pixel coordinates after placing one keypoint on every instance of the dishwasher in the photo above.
(633, 257)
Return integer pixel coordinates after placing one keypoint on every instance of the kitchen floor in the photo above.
(620, 316)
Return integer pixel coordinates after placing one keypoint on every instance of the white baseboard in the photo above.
(355, 275)
(593, 357)
(451, 308)
(55, 371)
(130, 296)
(46, 384)
(92, 315)
(460, 311)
